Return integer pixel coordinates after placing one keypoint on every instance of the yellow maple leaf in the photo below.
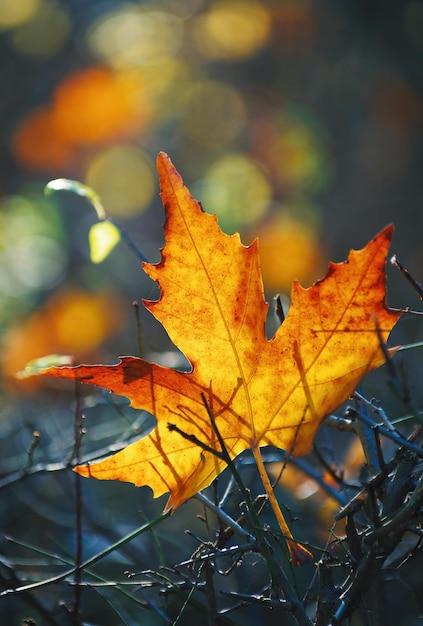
(261, 392)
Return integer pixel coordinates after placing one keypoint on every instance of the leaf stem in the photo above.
(277, 574)
(129, 241)
(299, 555)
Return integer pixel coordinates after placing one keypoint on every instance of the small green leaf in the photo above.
(36, 366)
(103, 237)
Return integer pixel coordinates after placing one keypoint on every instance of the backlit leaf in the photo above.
(261, 392)
(103, 237)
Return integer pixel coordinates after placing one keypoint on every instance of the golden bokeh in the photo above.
(289, 250)
(232, 30)
(124, 178)
(46, 33)
(134, 36)
(94, 106)
(13, 13)
(237, 190)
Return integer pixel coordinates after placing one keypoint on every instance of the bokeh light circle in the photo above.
(15, 13)
(231, 31)
(214, 113)
(289, 250)
(237, 190)
(133, 36)
(46, 33)
(123, 176)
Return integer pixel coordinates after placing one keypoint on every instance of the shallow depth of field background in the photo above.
(296, 121)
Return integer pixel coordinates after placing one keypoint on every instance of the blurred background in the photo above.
(297, 121)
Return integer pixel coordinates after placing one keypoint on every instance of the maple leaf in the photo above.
(261, 392)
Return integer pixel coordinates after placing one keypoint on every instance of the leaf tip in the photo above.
(168, 174)
(390, 228)
(386, 233)
(83, 470)
(163, 160)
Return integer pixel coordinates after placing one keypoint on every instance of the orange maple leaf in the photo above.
(261, 392)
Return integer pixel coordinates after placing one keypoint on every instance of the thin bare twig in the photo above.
(87, 563)
(413, 282)
(375, 407)
(78, 433)
(219, 512)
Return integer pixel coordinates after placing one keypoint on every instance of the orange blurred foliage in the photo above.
(353, 459)
(37, 145)
(90, 107)
(72, 322)
(304, 488)
(98, 105)
(289, 250)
